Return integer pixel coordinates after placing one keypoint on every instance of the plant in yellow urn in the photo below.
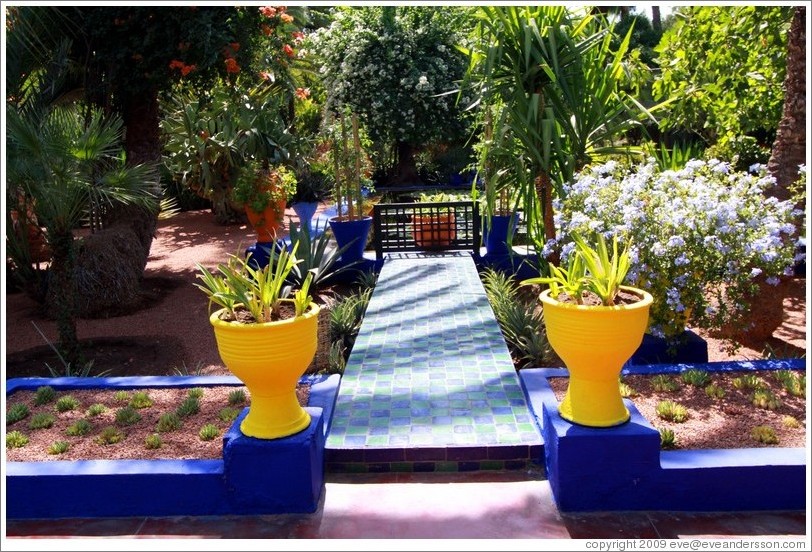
(266, 336)
(594, 323)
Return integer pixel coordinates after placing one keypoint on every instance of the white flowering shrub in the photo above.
(396, 69)
(701, 236)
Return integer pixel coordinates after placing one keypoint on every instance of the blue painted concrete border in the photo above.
(255, 476)
(623, 468)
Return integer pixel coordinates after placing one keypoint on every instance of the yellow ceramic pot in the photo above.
(595, 342)
(270, 358)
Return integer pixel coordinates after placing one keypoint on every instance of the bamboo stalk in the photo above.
(357, 147)
(337, 166)
(344, 158)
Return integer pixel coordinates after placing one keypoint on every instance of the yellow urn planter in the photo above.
(269, 358)
(595, 342)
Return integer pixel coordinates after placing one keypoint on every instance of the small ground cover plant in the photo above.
(107, 424)
(721, 415)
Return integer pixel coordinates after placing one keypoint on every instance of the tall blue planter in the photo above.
(353, 233)
(496, 234)
(305, 212)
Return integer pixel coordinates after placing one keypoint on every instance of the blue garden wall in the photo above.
(623, 468)
(255, 476)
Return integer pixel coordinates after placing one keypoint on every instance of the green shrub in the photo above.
(188, 407)
(790, 422)
(228, 414)
(109, 436)
(667, 439)
(121, 396)
(208, 432)
(714, 391)
(793, 382)
(96, 409)
(15, 439)
(196, 392)
(237, 397)
(16, 412)
(140, 399)
(168, 422)
(671, 411)
(766, 399)
(346, 317)
(41, 420)
(67, 403)
(662, 383)
(58, 447)
(764, 434)
(44, 395)
(748, 382)
(626, 390)
(522, 327)
(336, 358)
(79, 428)
(697, 378)
(127, 416)
(153, 441)
(740, 151)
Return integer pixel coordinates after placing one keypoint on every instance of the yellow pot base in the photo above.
(254, 426)
(605, 422)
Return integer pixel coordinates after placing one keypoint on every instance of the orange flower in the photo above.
(288, 50)
(186, 69)
(176, 64)
(286, 18)
(266, 30)
(267, 11)
(265, 75)
(232, 66)
(302, 93)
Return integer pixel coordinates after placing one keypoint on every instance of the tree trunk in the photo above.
(406, 169)
(544, 193)
(789, 148)
(62, 295)
(656, 18)
(125, 242)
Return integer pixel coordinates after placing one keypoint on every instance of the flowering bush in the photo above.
(700, 236)
(394, 67)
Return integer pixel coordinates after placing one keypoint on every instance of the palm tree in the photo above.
(559, 87)
(60, 162)
(789, 148)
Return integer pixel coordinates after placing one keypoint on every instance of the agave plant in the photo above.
(315, 257)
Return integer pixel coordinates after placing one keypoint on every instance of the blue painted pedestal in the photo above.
(689, 349)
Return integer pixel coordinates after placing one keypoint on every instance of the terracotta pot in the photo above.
(269, 358)
(435, 230)
(765, 315)
(595, 342)
(268, 223)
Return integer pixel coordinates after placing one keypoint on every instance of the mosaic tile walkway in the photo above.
(430, 385)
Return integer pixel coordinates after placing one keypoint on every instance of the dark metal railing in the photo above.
(443, 226)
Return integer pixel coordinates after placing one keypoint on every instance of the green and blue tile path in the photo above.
(430, 384)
